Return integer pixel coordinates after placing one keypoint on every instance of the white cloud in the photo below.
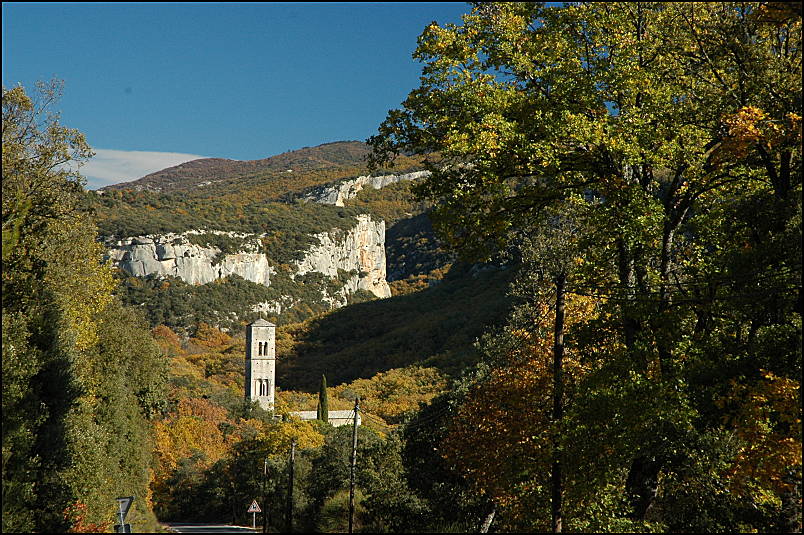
(115, 166)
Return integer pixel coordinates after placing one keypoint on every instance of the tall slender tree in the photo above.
(323, 401)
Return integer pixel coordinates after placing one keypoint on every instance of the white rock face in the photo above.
(361, 249)
(174, 255)
(346, 189)
(269, 307)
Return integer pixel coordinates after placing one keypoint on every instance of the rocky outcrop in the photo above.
(337, 194)
(360, 250)
(355, 257)
(176, 256)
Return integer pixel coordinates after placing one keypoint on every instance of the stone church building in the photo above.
(261, 373)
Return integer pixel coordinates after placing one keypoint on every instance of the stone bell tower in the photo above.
(261, 362)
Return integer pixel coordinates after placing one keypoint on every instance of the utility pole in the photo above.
(265, 496)
(354, 465)
(289, 512)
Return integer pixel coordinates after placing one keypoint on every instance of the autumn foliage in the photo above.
(76, 516)
(502, 436)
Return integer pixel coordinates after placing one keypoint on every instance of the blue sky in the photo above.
(152, 85)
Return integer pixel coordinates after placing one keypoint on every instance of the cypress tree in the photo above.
(323, 402)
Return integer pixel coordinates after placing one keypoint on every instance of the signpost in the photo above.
(254, 509)
(124, 504)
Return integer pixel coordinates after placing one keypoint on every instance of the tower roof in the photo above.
(261, 323)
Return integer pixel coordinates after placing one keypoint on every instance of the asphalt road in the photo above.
(209, 528)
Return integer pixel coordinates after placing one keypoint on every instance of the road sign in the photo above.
(254, 508)
(125, 505)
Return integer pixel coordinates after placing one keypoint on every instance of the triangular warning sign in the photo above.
(254, 508)
(124, 503)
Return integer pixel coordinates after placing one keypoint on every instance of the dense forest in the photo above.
(595, 323)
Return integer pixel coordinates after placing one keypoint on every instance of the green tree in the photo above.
(81, 376)
(448, 501)
(38, 210)
(379, 479)
(672, 120)
(323, 401)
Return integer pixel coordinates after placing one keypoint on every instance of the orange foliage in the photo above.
(167, 339)
(202, 408)
(76, 515)
(766, 416)
(750, 126)
(501, 437)
(195, 428)
(210, 337)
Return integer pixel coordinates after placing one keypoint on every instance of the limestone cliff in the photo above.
(354, 257)
(361, 251)
(176, 255)
(336, 194)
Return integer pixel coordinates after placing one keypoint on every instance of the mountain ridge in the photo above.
(205, 171)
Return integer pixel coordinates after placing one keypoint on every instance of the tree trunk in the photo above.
(660, 328)
(627, 280)
(791, 503)
(558, 403)
(642, 485)
(489, 518)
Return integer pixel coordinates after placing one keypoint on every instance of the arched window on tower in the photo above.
(262, 388)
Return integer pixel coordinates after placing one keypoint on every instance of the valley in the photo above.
(558, 290)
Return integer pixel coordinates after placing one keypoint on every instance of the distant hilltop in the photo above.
(205, 171)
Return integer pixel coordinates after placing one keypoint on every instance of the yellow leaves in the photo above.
(182, 436)
(391, 394)
(81, 283)
(751, 126)
(278, 436)
(16, 97)
(766, 417)
(794, 130)
(743, 125)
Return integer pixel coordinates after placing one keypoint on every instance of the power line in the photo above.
(419, 422)
(691, 300)
(708, 282)
(377, 421)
